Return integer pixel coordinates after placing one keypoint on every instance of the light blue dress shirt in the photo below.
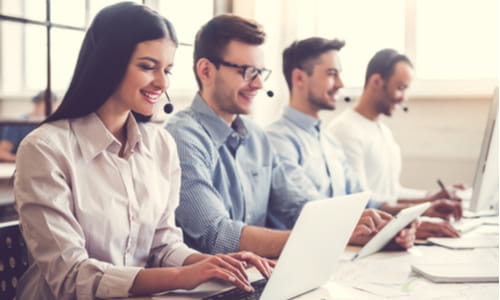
(303, 147)
(231, 177)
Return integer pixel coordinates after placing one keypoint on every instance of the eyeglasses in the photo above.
(249, 72)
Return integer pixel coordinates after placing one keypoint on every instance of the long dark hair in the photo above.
(105, 54)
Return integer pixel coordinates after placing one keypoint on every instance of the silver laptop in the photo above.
(314, 247)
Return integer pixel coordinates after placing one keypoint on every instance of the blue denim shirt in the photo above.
(304, 147)
(231, 177)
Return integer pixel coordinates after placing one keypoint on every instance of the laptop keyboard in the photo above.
(237, 293)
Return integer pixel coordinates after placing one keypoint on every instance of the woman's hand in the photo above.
(264, 265)
(219, 266)
(228, 267)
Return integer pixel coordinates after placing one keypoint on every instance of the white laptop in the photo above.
(313, 249)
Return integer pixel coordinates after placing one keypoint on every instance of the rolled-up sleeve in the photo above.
(52, 233)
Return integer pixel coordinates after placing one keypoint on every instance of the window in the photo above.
(187, 22)
(25, 29)
(456, 39)
(364, 31)
(453, 44)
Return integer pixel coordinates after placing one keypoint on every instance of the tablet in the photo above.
(400, 221)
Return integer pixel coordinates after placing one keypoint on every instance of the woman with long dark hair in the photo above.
(97, 186)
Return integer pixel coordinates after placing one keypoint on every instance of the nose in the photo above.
(339, 83)
(256, 83)
(161, 81)
(402, 97)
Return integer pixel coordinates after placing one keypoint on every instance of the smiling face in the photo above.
(393, 90)
(146, 77)
(324, 82)
(228, 94)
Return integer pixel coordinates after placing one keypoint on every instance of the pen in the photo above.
(443, 188)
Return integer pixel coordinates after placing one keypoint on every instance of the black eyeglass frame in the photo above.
(249, 72)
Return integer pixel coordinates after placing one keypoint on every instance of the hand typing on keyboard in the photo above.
(199, 268)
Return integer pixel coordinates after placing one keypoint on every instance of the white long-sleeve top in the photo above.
(92, 219)
(373, 155)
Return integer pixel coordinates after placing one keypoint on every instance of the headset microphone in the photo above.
(169, 107)
(269, 93)
(347, 99)
(404, 107)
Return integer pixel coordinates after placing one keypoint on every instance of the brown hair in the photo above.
(212, 39)
(303, 55)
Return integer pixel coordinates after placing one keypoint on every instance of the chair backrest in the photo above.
(13, 258)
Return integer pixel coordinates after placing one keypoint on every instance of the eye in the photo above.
(167, 72)
(333, 73)
(146, 67)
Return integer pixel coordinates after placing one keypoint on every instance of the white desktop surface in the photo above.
(6, 192)
(7, 170)
(388, 275)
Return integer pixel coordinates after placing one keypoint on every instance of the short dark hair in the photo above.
(303, 54)
(383, 63)
(105, 54)
(212, 39)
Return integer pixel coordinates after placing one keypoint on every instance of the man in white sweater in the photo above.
(373, 154)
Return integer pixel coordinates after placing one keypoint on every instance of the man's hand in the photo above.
(407, 236)
(445, 209)
(449, 193)
(369, 224)
(433, 229)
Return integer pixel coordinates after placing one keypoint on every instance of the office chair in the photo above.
(13, 258)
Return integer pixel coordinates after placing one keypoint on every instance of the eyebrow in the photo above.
(333, 69)
(153, 60)
(148, 58)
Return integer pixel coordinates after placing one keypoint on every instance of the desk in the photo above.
(387, 275)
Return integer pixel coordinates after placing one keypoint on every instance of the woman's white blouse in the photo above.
(93, 219)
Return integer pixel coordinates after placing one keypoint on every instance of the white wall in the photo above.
(439, 138)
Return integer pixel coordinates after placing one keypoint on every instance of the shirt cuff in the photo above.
(228, 238)
(375, 204)
(116, 282)
(178, 255)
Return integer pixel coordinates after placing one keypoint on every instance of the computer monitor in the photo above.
(485, 187)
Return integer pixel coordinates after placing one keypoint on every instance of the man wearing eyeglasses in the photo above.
(231, 175)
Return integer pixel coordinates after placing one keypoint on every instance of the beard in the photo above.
(385, 103)
(321, 103)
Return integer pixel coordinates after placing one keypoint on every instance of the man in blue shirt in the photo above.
(312, 70)
(232, 179)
